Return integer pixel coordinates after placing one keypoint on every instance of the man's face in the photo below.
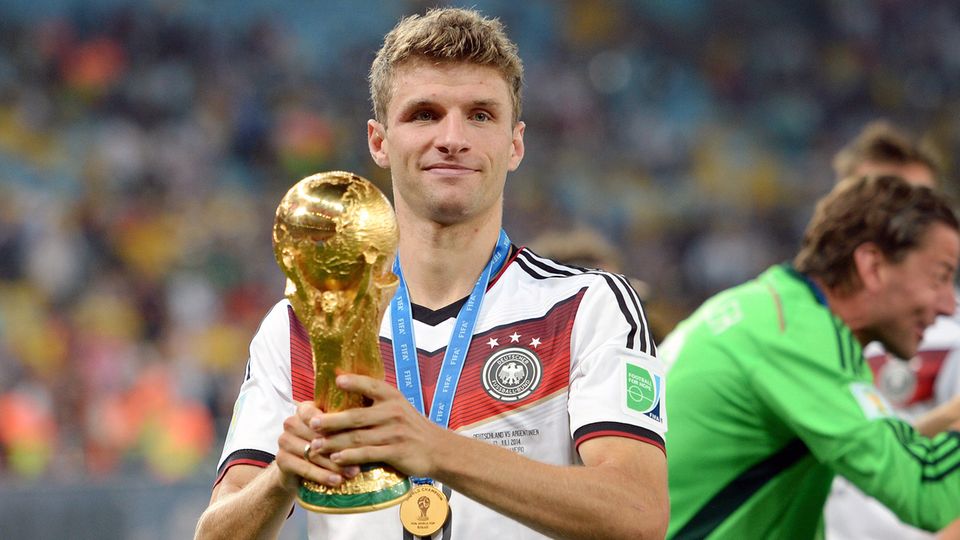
(914, 291)
(448, 141)
(917, 174)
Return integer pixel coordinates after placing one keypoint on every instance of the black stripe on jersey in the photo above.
(945, 469)
(851, 350)
(645, 335)
(258, 457)
(434, 317)
(903, 436)
(937, 459)
(563, 269)
(841, 350)
(932, 456)
(846, 348)
(856, 362)
(598, 429)
(722, 505)
(542, 268)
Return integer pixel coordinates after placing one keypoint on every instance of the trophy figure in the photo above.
(335, 237)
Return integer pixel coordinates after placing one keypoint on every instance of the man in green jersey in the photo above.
(769, 393)
(925, 389)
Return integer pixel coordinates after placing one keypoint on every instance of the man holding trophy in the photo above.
(521, 398)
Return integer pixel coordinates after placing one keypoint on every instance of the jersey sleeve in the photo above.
(821, 389)
(616, 381)
(265, 397)
(947, 385)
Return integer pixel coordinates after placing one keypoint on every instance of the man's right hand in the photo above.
(297, 459)
(254, 502)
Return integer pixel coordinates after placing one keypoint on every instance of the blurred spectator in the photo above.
(881, 148)
(144, 147)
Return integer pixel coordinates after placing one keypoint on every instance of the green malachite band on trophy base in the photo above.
(351, 503)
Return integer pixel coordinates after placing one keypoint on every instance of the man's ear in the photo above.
(869, 262)
(516, 154)
(377, 143)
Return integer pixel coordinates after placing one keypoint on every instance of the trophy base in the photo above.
(377, 486)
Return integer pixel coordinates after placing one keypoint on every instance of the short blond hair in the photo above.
(445, 35)
(883, 143)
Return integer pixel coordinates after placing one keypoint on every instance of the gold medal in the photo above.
(425, 511)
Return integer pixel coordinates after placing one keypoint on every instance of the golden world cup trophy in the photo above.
(335, 237)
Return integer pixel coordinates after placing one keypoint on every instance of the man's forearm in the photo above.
(941, 418)
(604, 501)
(258, 510)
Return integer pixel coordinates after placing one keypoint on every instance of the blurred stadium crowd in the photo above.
(144, 147)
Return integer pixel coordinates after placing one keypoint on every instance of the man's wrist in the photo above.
(282, 483)
(448, 451)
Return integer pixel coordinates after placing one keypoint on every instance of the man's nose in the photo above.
(948, 302)
(453, 135)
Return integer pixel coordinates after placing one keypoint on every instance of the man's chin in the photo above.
(448, 214)
(900, 351)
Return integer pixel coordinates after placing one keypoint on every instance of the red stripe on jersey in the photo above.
(254, 462)
(386, 352)
(301, 359)
(925, 367)
(546, 338)
(429, 364)
(617, 433)
(931, 362)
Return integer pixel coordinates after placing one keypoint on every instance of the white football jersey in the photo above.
(559, 355)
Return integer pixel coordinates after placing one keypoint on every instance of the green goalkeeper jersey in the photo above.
(769, 397)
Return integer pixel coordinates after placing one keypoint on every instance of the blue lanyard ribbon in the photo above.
(405, 348)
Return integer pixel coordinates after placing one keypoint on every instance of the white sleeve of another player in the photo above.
(947, 384)
(265, 398)
(612, 378)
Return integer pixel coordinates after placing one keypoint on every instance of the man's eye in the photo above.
(423, 116)
(481, 117)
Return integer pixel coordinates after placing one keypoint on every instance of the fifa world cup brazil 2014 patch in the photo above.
(237, 407)
(644, 391)
(512, 374)
(871, 401)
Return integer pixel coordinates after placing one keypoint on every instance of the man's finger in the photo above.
(296, 432)
(296, 447)
(306, 411)
(320, 475)
(374, 389)
(326, 472)
(356, 456)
